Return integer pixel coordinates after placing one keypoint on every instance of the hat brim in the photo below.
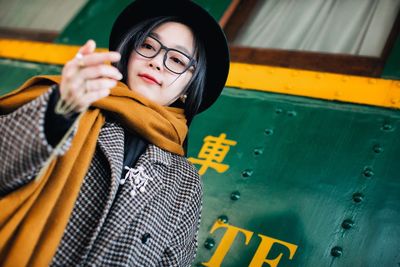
(201, 22)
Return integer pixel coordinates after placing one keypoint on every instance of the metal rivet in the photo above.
(235, 195)
(258, 151)
(247, 173)
(268, 131)
(223, 219)
(209, 243)
(387, 127)
(358, 197)
(291, 113)
(347, 224)
(336, 251)
(368, 172)
(377, 149)
(145, 237)
(278, 111)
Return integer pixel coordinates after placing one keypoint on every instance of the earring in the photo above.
(183, 98)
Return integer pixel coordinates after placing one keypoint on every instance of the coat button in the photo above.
(145, 237)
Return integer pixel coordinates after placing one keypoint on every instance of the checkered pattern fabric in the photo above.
(109, 226)
(23, 142)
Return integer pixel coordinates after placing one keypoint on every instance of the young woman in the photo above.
(93, 168)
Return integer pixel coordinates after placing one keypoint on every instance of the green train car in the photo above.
(299, 156)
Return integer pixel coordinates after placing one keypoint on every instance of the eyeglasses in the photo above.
(174, 60)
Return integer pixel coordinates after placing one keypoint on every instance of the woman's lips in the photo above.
(148, 78)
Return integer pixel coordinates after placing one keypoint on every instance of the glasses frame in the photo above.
(192, 61)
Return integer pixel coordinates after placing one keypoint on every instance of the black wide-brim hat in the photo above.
(201, 22)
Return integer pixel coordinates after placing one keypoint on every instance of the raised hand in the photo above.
(88, 78)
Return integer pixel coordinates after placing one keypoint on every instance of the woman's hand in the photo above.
(87, 78)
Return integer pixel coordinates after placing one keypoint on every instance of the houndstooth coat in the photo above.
(109, 225)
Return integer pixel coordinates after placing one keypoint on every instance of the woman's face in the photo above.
(149, 77)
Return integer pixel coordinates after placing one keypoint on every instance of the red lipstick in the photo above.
(148, 78)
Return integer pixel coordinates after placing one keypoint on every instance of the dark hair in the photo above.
(194, 90)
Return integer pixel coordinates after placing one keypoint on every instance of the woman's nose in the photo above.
(157, 61)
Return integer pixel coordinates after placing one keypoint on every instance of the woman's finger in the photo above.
(100, 71)
(99, 84)
(73, 87)
(97, 58)
(88, 48)
(90, 98)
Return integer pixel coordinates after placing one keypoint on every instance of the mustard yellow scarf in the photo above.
(33, 218)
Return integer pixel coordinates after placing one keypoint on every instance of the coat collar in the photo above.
(111, 142)
(158, 156)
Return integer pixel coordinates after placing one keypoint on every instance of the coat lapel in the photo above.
(147, 168)
(111, 143)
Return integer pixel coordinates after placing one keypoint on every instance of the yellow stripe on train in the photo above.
(327, 86)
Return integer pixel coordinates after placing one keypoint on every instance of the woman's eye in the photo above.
(147, 46)
(178, 61)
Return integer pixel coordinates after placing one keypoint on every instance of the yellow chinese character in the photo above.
(212, 153)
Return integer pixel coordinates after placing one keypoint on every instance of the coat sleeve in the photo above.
(23, 145)
(182, 249)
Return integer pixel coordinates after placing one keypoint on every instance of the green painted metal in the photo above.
(215, 8)
(392, 66)
(314, 156)
(95, 20)
(13, 73)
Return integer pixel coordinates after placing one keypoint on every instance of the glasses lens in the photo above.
(149, 47)
(177, 61)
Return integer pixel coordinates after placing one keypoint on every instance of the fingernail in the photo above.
(92, 44)
(117, 56)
